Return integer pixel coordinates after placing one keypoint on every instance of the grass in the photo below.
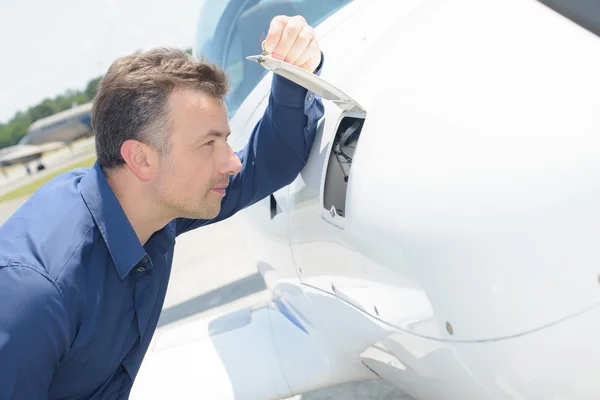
(31, 187)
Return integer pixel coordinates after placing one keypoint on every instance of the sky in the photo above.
(47, 47)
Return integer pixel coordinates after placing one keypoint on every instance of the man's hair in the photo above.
(131, 100)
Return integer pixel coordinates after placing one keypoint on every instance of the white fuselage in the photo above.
(471, 224)
(66, 126)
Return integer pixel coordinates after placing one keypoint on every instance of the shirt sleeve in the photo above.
(276, 152)
(33, 333)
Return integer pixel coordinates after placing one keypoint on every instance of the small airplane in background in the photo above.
(444, 234)
(49, 134)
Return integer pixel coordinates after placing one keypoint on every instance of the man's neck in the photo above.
(145, 217)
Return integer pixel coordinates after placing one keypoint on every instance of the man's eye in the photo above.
(210, 143)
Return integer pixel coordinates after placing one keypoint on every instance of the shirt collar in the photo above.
(118, 233)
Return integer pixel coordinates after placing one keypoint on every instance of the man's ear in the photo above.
(139, 158)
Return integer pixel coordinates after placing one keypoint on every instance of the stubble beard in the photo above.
(206, 206)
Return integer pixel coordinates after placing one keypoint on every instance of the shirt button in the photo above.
(310, 96)
(308, 127)
(141, 269)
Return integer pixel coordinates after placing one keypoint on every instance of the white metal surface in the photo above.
(64, 126)
(308, 80)
(471, 210)
(250, 354)
(553, 363)
(470, 204)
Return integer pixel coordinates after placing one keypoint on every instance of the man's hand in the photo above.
(291, 39)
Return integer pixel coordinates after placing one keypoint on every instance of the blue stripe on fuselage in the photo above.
(288, 314)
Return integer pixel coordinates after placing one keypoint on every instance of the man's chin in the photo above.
(214, 214)
(206, 213)
(201, 209)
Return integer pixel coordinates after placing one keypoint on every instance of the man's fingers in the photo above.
(313, 62)
(275, 31)
(311, 49)
(292, 40)
(300, 45)
(288, 36)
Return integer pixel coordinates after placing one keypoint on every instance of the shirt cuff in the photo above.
(288, 93)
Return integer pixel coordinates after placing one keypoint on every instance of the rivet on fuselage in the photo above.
(449, 328)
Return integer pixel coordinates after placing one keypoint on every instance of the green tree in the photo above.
(44, 109)
(91, 88)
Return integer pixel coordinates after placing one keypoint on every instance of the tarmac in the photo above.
(212, 274)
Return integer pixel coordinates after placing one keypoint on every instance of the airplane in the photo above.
(49, 134)
(444, 233)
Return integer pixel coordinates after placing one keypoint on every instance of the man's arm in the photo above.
(276, 152)
(33, 333)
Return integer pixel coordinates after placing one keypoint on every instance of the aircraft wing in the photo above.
(24, 153)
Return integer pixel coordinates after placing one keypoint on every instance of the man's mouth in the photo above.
(220, 190)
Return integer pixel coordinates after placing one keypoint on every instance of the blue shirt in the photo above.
(80, 297)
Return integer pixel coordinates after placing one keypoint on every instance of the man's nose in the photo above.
(233, 164)
(236, 164)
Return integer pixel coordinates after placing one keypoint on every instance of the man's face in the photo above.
(191, 178)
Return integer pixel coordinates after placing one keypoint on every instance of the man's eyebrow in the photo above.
(216, 133)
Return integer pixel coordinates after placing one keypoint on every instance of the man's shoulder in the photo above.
(49, 228)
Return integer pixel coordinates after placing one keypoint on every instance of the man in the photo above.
(85, 262)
